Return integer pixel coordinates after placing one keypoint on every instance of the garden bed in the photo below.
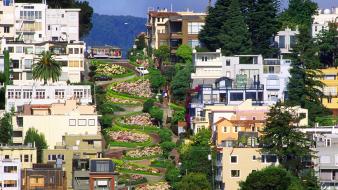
(143, 119)
(156, 186)
(138, 88)
(144, 153)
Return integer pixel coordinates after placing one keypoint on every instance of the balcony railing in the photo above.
(199, 119)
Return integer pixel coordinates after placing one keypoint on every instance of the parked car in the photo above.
(102, 78)
(142, 70)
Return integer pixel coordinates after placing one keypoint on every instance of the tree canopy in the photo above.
(196, 181)
(327, 41)
(46, 68)
(281, 137)
(34, 137)
(162, 53)
(185, 53)
(6, 129)
(269, 178)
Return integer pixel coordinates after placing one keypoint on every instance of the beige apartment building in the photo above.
(55, 121)
(72, 150)
(26, 154)
(235, 164)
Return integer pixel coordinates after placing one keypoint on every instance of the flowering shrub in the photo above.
(140, 169)
(139, 88)
(147, 151)
(157, 186)
(110, 69)
(123, 101)
(141, 119)
(125, 136)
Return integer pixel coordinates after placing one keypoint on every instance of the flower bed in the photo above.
(157, 186)
(141, 119)
(123, 100)
(110, 69)
(145, 152)
(126, 136)
(139, 88)
(132, 168)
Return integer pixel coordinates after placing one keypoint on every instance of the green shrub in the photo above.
(106, 121)
(147, 105)
(165, 135)
(156, 113)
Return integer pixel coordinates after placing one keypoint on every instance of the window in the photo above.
(227, 62)
(224, 129)
(48, 27)
(91, 122)
(82, 122)
(59, 93)
(158, 20)
(234, 173)
(233, 159)
(254, 157)
(236, 96)
(40, 94)
(76, 50)
(329, 99)
(26, 158)
(195, 27)
(193, 43)
(72, 122)
(102, 166)
(293, 41)
(10, 183)
(6, 156)
(70, 50)
(269, 158)
(10, 169)
(281, 41)
(40, 35)
(10, 94)
(17, 94)
(78, 93)
(6, 29)
(19, 49)
(28, 63)
(253, 118)
(328, 142)
(236, 129)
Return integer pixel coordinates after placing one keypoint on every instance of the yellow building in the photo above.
(26, 154)
(229, 132)
(74, 149)
(235, 164)
(330, 89)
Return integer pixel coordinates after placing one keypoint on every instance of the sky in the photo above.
(139, 8)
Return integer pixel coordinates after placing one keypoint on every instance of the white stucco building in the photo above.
(35, 22)
(242, 73)
(24, 55)
(286, 40)
(10, 174)
(322, 20)
(19, 95)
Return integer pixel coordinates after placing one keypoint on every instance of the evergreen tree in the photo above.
(327, 41)
(304, 87)
(262, 20)
(281, 137)
(299, 12)
(6, 129)
(33, 136)
(235, 37)
(213, 25)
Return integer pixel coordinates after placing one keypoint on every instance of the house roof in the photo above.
(162, 14)
(240, 122)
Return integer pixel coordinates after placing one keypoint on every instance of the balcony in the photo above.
(176, 35)
(199, 120)
(273, 87)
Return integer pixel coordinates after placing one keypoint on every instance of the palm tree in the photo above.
(47, 68)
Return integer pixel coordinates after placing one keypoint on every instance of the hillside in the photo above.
(115, 30)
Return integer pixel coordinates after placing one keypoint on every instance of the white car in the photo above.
(142, 70)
